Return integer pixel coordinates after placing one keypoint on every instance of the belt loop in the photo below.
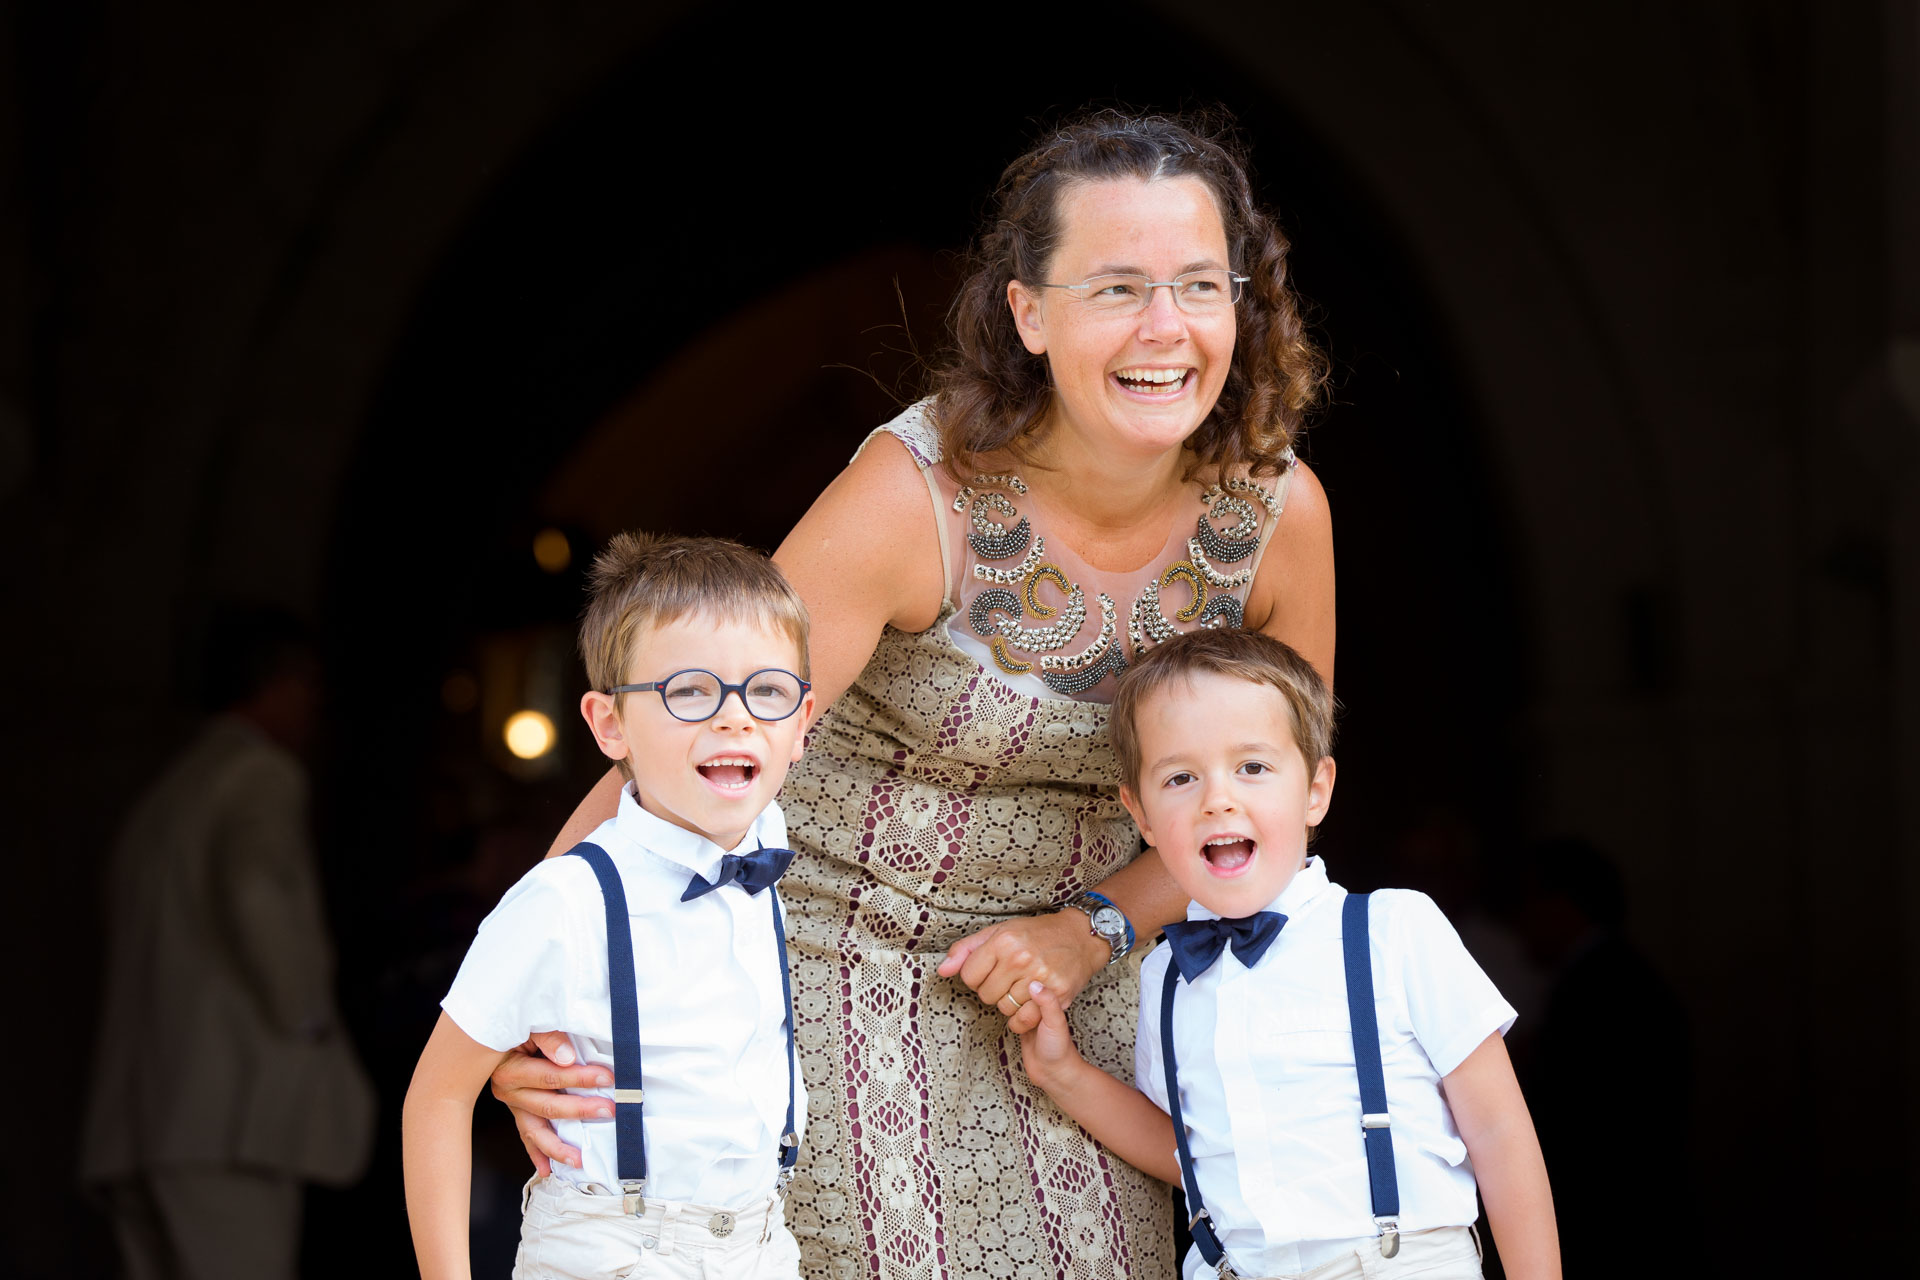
(667, 1212)
(766, 1219)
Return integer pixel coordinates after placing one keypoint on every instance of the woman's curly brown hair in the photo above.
(993, 393)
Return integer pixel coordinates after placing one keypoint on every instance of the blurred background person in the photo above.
(222, 1079)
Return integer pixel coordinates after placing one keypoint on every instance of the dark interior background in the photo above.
(340, 309)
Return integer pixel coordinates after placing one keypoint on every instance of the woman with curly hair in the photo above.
(1106, 459)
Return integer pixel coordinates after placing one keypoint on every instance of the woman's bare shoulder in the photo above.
(1292, 596)
(871, 537)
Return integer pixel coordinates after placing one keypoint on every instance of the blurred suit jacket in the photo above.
(220, 1044)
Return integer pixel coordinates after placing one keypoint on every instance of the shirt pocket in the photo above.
(1303, 1036)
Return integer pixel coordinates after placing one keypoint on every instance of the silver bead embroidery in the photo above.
(1035, 640)
(1148, 625)
(1224, 611)
(1080, 672)
(1036, 554)
(1004, 545)
(1226, 534)
(1226, 582)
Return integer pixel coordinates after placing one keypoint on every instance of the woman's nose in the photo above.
(1163, 318)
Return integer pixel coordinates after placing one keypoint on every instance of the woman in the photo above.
(1106, 459)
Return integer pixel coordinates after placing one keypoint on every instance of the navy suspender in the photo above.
(622, 990)
(1375, 1126)
(789, 1140)
(1202, 1224)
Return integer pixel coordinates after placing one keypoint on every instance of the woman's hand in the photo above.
(1060, 951)
(529, 1082)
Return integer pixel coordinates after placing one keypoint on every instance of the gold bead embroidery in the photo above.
(1044, 573)
(1006, 661)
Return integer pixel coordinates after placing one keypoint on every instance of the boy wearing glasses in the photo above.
(657, 945)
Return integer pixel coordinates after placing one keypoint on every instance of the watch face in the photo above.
(1109, 923)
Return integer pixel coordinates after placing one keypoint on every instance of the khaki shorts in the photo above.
(572, 1234)
(1441, 1253)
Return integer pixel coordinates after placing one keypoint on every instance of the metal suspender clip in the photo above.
(1376, 1120)
(788, 1141)
(633, 1195)
(1389, 1236)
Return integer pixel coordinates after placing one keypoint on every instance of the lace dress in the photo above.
(965, 778)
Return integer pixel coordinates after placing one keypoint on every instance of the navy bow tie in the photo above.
(752, 872)
(1198, 943)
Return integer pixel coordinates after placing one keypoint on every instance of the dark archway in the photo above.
(712, 193)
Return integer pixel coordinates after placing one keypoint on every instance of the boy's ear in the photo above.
(1132, 801)
(598, 710)
(806, 722)
(1320, 791)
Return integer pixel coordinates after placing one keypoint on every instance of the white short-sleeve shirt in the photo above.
(714, 1045)
(1268, 1088)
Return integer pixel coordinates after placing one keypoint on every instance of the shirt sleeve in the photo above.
(1451, 1002)
(517, 973)
(1149, 1074)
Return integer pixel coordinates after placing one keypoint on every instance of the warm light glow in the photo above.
(552, 550)
(529, 734)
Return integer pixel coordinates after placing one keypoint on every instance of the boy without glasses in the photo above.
(658, 949)
(1323, 1072)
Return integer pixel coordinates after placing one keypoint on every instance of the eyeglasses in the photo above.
(693, 696)
(1198, 293)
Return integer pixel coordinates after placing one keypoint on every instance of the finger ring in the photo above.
(1017, 1005)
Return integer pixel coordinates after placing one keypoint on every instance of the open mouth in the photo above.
(1228, 855)
(730, 773)
(1154, 382)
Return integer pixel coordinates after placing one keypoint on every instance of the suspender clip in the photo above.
(1376, 1120)
(1389, 1235)
(633, 1195)
(1195, 1219)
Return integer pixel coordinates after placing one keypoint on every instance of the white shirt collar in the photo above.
(686, 848)
(1306, 885)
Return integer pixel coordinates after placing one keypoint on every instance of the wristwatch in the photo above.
(1107, 921)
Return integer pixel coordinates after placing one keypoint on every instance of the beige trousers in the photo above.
(1443, 1253)
(571, 1234)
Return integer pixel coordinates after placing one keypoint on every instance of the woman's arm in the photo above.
(1493, 1121)
(1119, 1115)
(436, 1127)
(1292, 595)
(866, 554)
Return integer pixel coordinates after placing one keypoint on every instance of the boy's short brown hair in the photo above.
(642, 580)
(1252, 656)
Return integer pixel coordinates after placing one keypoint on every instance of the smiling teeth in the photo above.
(1229, 840)
(1151, 375)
